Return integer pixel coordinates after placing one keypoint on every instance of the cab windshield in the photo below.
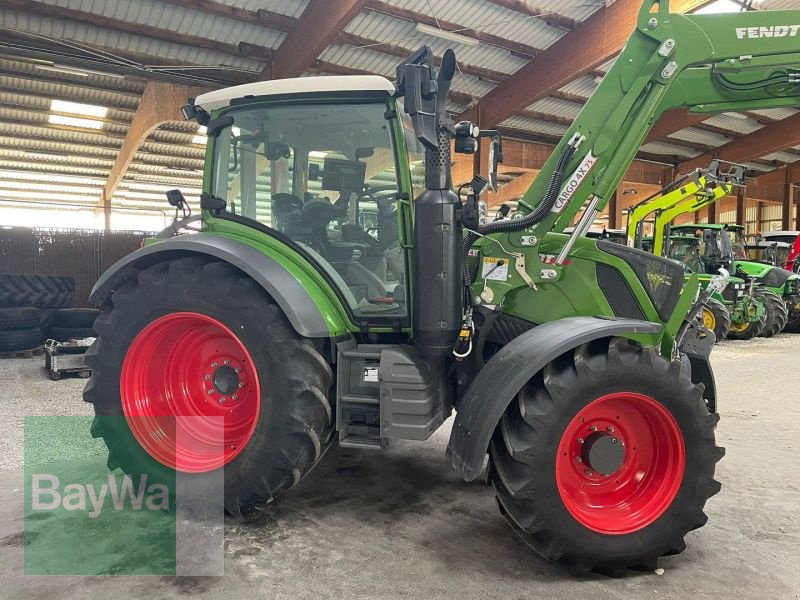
(326, 176)
(689, 251)
(738, 245)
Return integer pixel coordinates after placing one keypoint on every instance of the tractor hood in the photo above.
(767, 275)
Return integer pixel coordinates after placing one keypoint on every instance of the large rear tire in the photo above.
(606, 458)
(777, 313)
(195, 336)
(716, 318)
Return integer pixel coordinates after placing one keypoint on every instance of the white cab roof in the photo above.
(300, 85)
(767, 234)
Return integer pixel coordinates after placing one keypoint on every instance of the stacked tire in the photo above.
(73, 323)
(28, 304)
(20, 328)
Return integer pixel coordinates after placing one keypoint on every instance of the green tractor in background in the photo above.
(739, 312)
(279, 321)
(779, 287)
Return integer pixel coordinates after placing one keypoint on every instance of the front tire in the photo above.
(567, 456)
(777, 314)
(197, 337)
(716, 317)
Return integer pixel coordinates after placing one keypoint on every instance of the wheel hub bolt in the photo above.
(226, 362)
(578, 459)
(593, 427)
(588, 471)
(238, 369)
(207, 376)
(610, 429)
(210, 392)
(580, 440)
(222, 399)
(241, 384)
(234, 397)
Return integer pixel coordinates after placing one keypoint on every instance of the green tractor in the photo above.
(251, 337)
(739, 312)
(779, 287)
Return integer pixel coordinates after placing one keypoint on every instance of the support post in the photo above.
(160, 103)
(788, 199)
(713, 212)
(613, 211)
(741, 207)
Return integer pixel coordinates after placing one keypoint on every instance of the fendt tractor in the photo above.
(576, 367)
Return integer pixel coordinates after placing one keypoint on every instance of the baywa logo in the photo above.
(47, 494)
(770, 31)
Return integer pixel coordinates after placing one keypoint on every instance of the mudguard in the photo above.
(497, 383)
(293, 299)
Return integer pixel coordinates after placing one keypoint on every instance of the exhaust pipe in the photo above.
(438, 232)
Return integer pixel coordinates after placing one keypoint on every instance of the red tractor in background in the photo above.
(792, 259)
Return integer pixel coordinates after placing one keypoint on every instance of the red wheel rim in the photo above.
(635, 438)
(190, 365)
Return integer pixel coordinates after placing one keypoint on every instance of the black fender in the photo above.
(496, 384)
(279, 283)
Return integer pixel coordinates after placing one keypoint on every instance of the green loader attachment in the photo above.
(335, 289)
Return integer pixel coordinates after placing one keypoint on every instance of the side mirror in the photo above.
(175, 198)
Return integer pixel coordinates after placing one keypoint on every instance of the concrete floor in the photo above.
(400, 524)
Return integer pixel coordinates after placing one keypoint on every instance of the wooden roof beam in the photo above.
(592, 43)
(160, 102)
(319, 25)
(769, 139)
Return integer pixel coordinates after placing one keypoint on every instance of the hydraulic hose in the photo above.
(539, 213)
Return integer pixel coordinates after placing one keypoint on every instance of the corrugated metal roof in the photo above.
(700, 136)
(90, 79)
(734, 122)
(785, 157)
(75, 137)
(534, 125)
(123, 41)
(669, 149)
(488, 17)
(365, 59)
(776, 113)
(582, 86)
(399, 32)
(557, 107)
(290, 8)
(68, 91)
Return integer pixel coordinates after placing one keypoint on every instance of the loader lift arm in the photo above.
(702, 185)
(704, 63)
(690, 205)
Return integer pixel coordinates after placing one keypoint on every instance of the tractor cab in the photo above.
(324, 164)
(769, 252)
(716, 246)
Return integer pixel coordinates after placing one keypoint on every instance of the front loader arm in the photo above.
(704, 63)
(686, 187)
(690, 205)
